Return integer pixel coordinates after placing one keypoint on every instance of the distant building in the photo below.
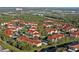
(19, 9)
(40, 14)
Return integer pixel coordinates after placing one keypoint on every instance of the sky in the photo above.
(39, 3)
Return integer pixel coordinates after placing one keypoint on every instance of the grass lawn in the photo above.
(7, 46)
(14, 49)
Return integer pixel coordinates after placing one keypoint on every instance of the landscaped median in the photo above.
(12, 48)
(6, 45)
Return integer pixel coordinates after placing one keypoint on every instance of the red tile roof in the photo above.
(19, 27)
(8, 32)
(22, 22)
(28, 23)
(30, 41)
(76, 33)
(47, 25)
(62, 23)
(48, 20)
(23, 38)
(32, 23)
(67, 26)
(55, 36)
(31, 31)
(50, 29)
(15, 20)
(34, 27)
(10, 26)
(9, 23)
(35, 33)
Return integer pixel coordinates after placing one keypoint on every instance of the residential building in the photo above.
(55, 37)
